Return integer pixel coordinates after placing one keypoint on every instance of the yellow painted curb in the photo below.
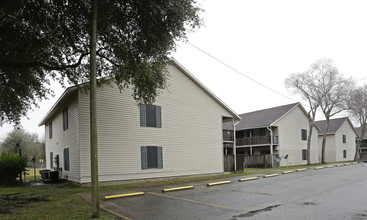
(331, 166)
(302, 169)
(271, 175)
(319, 168)
(218, 183)
(177, 188)
(288, 171)
(346, 164)
(354, 163)
(361, 162)
(339, 165)
(247, 179)
(124, 195)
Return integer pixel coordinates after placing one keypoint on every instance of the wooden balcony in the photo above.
(257, 140)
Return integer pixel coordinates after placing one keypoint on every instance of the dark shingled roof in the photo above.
(359, 132)
(261, 118)
(334, 125)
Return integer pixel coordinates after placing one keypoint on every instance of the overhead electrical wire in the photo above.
(237, 71)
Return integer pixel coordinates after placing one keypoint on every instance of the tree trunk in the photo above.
(324, 141)
(93, 113)
(311, 123)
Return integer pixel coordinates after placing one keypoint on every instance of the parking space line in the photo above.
(115, 213)
(189, 200)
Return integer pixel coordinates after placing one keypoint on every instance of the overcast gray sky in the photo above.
(265, 40)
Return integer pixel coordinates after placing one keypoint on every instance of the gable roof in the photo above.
(334, 125)
(359, 132)
(73, 89)
(263, 118)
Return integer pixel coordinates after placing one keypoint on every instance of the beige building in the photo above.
(340, 140)
(280, 131)
(181, 134)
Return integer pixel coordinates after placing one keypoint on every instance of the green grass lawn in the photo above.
(60, 201)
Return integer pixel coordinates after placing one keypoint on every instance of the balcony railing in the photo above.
(257, 140)
(363, 145)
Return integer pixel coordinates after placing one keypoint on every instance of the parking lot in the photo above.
(329, 193)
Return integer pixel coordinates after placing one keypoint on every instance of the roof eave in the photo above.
(53, 109)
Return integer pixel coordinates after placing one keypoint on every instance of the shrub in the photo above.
(10, 167)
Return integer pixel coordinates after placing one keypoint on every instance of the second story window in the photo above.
(50, 130)
(150, 116)
(344, 139)
(65, 119)
(304, 134)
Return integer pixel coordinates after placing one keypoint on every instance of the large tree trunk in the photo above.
(324, 141)
(93, 113)
(311, 125)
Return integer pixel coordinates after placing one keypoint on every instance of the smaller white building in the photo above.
(340, 140)
(280, 131)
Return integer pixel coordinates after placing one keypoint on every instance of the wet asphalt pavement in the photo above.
(332, 193)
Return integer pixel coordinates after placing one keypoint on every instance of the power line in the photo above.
(237, 71)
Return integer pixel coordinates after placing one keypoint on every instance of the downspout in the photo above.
(234, 144)
(271, 145)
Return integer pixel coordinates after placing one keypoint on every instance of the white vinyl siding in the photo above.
(191, 134)
(335, 146)
(289, 131)
(66, 139)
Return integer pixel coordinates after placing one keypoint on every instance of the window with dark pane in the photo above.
(344, 153)
(344, 139)
(304, 154)
(152, 156)
(65, 119)
(50, 130)
(66, 159)
(51, 160)
(151, 116)
(304, 134)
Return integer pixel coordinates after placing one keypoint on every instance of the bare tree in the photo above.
(305, 84)
(358, 111)
(335, 91)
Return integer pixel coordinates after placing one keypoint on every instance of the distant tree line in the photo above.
(30, 144)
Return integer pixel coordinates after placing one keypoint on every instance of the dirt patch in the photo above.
(254, 212)
(16, 200)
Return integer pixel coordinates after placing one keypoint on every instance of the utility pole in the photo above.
(93, 113)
